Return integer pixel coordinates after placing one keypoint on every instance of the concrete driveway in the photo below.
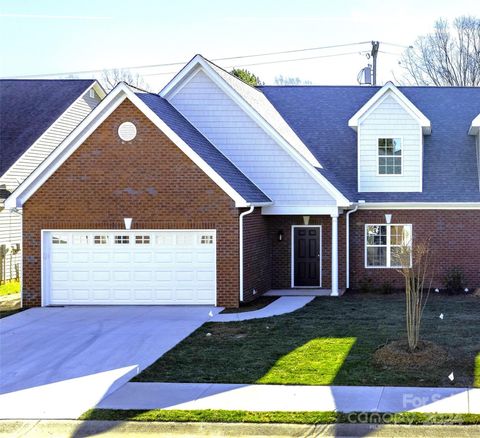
(59, 362)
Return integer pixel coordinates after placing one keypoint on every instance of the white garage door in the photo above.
(129, 267)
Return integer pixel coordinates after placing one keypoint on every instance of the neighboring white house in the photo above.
(35, 117)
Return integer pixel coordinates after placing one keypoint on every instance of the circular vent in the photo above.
(127, 131)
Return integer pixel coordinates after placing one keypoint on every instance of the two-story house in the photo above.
(214, 192)
(35, 117)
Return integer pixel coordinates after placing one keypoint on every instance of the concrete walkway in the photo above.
(278, 307)
(57, 362)
(293, 398)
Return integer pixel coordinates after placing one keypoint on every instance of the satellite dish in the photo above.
(364, 77)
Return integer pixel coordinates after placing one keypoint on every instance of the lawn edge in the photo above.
(280, 417)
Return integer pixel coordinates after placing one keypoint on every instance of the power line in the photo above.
(269, 62)
(171, 64)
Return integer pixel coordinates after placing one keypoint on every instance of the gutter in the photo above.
(242, 215)
(347, 240)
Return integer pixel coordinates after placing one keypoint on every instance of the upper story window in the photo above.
(389, 156)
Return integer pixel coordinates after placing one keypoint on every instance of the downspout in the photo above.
(347, 226)
(242, 215)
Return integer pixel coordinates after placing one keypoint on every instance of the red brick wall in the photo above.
(257, 260)
(281, 251)
(455, 241)
(148, 179)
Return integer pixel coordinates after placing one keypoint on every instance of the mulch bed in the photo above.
(397, 355)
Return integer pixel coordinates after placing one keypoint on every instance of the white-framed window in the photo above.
(206, 239)
(389, 156)
(384, 243)
(100, 240)
(122, 240)
(142, 240)
(59, 240)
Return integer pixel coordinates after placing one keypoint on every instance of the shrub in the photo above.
(386, 288)
(365, 285)
(454, 281)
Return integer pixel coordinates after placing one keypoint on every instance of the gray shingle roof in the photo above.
(319, 115)
(208, 152)
(28, 108)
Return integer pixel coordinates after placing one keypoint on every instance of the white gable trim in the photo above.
(85, 129)
(199, 63)
(390, 89)
(475, 126)
(419, 206)
(95, 86)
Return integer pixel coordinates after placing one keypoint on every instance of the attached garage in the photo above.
(129, 267)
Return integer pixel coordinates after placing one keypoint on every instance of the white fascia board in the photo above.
(379, 96)
(475, 126)
(84, 130)
(300, 210)
(98, 89)
(197, 63)
(419, 206)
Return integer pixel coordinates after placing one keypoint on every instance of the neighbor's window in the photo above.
(389, 156)
(384, 243)
(122, 240)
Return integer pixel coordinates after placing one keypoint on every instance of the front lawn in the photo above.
(12, 287)
(328, 342)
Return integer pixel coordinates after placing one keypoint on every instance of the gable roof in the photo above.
(224, 167)
(320, 114)
(475, 126)
(250, 95)
(187, 138)
(390, 89)
(28, 108)
(258, 107)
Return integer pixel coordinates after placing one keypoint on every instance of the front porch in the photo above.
(304, 292)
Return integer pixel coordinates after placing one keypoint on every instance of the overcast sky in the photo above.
(52, 36)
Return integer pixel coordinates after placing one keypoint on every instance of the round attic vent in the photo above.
(127, 131)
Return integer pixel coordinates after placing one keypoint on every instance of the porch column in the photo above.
(334, 255)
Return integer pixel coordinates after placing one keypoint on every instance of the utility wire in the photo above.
(171, 64)
(269, 62)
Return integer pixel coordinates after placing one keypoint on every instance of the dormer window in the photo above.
(389, 156)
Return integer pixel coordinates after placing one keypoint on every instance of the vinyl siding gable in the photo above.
(48, 141)
(389, 119)
(246, 144)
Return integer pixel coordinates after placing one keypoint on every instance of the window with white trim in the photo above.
(389, 156)
(206, 239)
(142, 240)
(100, 240)
(122, 240)
(59, 240)
(385, 245)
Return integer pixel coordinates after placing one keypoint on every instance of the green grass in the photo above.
(220, 416)
(12, 287)
(328, 342)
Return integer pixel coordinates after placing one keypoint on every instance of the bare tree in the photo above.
(110, 78)
(415, 264)
(450, 55)
(290, 80)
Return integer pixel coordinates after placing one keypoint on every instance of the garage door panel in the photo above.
(130, 267)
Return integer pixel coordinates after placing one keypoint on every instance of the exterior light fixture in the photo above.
(306, 220)
(388, 218)
(280, 235)
(128, 222)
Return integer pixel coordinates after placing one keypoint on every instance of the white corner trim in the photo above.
(199, 63)
(89, 124)
(419, 206)
(475, 126)
(390, 89)
(101, 93)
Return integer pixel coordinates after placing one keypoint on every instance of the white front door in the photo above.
(129, 267)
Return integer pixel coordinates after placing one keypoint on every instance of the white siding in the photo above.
(390, 119)
(10, 223)
(10, 233)
(247, 145)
